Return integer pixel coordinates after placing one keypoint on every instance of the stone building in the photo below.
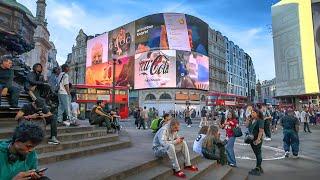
(268, 92)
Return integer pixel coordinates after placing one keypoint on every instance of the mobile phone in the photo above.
(41, 170)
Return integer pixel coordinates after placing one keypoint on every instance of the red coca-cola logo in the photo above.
(158, 65)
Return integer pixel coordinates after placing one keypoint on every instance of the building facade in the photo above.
(217, 61)
(77, 59)
(40, 53)
(295, 39)
(241, 75)
(268, 92)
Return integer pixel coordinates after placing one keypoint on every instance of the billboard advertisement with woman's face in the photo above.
(192, 70)
(121, 41)
(155, 69)
(97, 50)
(102, 74)
(316, 28)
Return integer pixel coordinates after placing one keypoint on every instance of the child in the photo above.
(197, 144)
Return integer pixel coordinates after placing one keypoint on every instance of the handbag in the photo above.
(248, 138)
(237, 131)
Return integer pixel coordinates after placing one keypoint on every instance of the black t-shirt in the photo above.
(28, 109)
(254, 127)
(203, 113)
(6, 77)
(289, 122)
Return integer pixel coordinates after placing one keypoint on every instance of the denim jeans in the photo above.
(14, 93)
(230, 151)
(64, 106)
(291, 138)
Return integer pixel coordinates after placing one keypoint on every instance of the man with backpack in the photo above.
(64, 95)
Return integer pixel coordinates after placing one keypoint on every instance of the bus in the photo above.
(224, 99)
(88, 95)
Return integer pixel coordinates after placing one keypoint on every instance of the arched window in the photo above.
(150, 97)
(203, 98)
(165, 96)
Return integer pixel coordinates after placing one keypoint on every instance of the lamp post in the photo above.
(76, 69)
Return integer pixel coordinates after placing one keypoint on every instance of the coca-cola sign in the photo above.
(155, 69)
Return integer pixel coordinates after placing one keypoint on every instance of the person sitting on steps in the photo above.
(6, 80)
(18, 157)
(99, 117)
(168, 142)
(38, 113)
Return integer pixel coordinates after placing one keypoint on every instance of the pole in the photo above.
(114, 83)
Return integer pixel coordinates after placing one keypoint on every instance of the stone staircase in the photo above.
(75, 142)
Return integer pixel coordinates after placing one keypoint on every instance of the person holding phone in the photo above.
(18, 158)
(168, 142)
(256, 128)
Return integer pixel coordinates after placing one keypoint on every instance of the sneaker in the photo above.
(54, 141)
(255, 172)
(232, 165)
(267, 139)
(189, 126)
(191, 168)
(295, 156)
(66, 123)
(287, 154)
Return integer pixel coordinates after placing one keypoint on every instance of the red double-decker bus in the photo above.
(88, 95)
(224, 99)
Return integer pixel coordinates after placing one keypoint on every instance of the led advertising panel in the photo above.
(102, 74)
(121, 41)
(97, 50)
(151, 33)
(316, 28)
(192, 70)
(155, 69)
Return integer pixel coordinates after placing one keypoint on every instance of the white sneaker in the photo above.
(66, 123)
(295, 157)
(287, 154)
(267, 139)
(189, 126)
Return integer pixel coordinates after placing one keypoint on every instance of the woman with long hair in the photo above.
(256, 127)
(212, 147)
(229, 125)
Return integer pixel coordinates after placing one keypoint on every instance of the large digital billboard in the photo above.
(192, 70)
(121, 41)
(155, 69)
(316, 28)
(97, 50)
(102, 74)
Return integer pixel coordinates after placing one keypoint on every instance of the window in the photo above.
(165, 96)
(150, 97)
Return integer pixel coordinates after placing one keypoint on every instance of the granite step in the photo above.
(237, 174)
(64, 145)
(71, 136)
(7, 132)
(52, 157)
(217, 173)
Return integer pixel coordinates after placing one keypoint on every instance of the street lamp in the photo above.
(76, 69)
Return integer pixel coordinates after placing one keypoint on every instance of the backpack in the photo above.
(155, 124)
(56, 87)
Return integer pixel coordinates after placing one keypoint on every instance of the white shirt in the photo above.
(74, 108)
(197, 144)
(297, 113)
(65, 81)
(303, 116)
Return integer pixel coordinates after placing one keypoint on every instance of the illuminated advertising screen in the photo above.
(102, 74)
(151, 33)
(316, 28)
(97, 50)
(155, 69)
(121, 41)
(192, 70)
(198, 34)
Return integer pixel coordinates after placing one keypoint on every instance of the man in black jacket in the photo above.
(36, 86)
(6, 80)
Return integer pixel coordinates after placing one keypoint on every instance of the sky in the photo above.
(245, 22)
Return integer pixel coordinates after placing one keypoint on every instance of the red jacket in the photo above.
(229, 125)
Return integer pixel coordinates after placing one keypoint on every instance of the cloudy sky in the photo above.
(245, 22)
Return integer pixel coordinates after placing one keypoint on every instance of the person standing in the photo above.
(6, 80)
(241, 116)
(143, 118)
(75, 111)
(255, 125)
(229, 125)
(304, 116)
(187, 116)
(204, 120)
(290, 126)
(64, 95)
(267, 122)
